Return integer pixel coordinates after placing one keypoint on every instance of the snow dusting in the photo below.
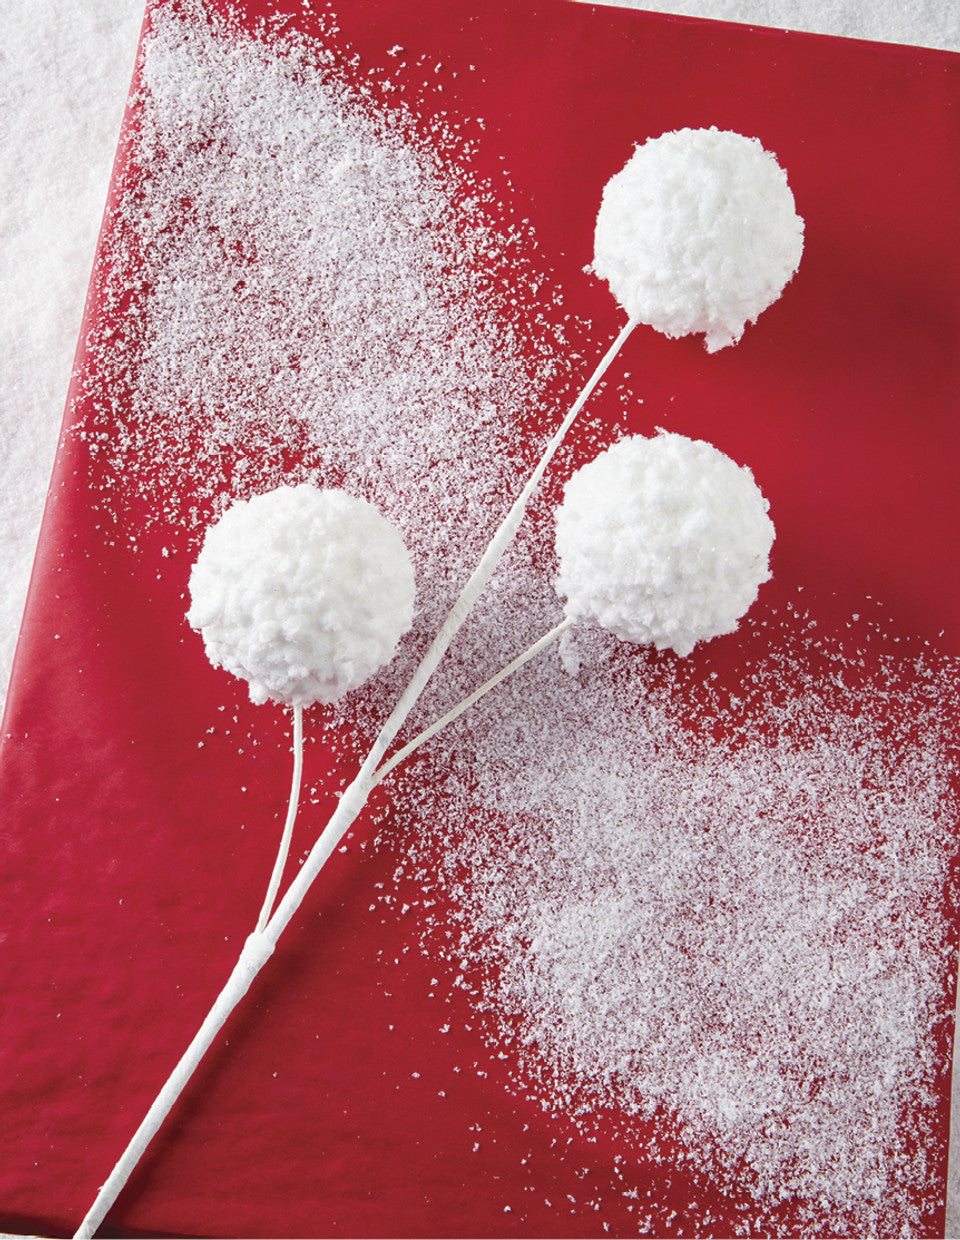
(729, 919)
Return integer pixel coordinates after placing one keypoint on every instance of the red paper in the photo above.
(355, 1092)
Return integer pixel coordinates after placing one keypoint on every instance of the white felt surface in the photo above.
(923, 23)
(65, 67)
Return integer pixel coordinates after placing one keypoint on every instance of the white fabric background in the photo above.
(65, 67)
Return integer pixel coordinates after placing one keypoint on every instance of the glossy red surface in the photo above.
(333, 1105)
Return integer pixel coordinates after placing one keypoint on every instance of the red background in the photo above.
(338, 1108)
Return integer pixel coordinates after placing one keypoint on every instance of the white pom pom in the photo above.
(301, 592)
(698, 233)
(663, 541)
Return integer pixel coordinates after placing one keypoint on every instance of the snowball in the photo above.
(698, 233)
(663, 541)
(304, 593)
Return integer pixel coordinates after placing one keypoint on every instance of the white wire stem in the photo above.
(259, 946)
(488, 563)
(255, 952)
(274, 885)
(456, 711)
(239, 982)
(355, 796)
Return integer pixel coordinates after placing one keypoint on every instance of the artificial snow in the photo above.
(712, 911)
(663, 541)
(348, 322)
(302, 592)
(698, 233)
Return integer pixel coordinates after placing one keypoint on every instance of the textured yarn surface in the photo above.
(663, 541)
(302, 592)
(698, 233)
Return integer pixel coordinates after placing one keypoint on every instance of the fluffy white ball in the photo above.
(663, 541)
(302, 592)
(698, 233)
